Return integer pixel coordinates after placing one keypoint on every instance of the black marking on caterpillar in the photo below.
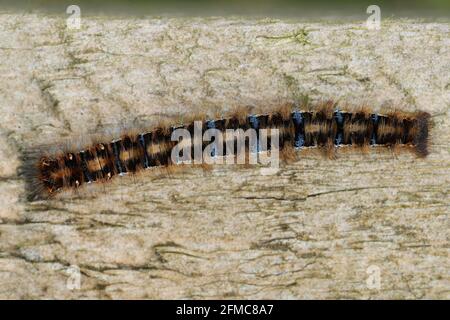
(326, 127)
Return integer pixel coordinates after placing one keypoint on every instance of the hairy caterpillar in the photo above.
(323, 126)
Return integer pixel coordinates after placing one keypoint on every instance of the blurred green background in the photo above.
(237, 7)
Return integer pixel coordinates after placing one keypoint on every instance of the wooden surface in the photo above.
(315, 229)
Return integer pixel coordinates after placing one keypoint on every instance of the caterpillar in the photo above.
(324, 126)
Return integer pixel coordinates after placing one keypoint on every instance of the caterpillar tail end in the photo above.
(421, 140)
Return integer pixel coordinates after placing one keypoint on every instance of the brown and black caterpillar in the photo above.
(325, 127)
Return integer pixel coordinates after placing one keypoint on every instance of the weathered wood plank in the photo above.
(310, 231)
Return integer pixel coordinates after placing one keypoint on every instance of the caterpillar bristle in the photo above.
(239, 114)
(285, 111)
(326, 109)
